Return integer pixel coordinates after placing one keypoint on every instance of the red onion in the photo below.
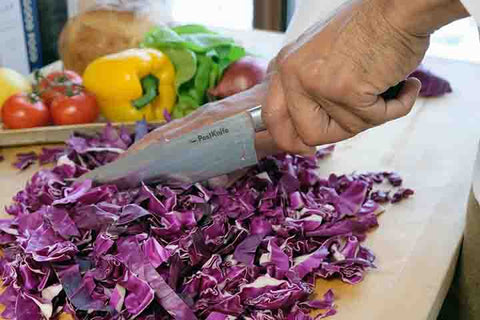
(240, 76)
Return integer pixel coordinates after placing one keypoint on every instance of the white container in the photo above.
(13, 49)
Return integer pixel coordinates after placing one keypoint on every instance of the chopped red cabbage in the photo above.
(252, 250)
(380, 196)
(394, 179)
(432, 85)
(25, 160)
(50, 155)
(402, 194)
(141, 129)
(324, 152)
(246, 250)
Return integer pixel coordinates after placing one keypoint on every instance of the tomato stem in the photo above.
(150, 92)
(69, 91)
(32, 97)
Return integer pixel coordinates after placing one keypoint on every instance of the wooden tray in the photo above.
(54, 134)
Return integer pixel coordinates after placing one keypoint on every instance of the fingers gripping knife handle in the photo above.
(259, 126)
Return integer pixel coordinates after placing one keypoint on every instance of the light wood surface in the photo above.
(417, 242)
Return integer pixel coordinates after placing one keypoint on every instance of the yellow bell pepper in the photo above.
(132, 85)
(12, 82)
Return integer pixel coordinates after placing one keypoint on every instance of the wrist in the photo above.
(421, 17)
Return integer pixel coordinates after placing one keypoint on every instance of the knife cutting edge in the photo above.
(211, 151)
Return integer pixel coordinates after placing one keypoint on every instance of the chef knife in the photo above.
(211, 151)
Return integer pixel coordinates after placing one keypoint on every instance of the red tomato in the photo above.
(22, 111)
(58, 83)
(76, 109)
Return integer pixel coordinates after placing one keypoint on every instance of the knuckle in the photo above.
(312, 86)
(341, 86)
(314, 81)
(286, 64)
(283, 54)
(335, 88)
(285, 67)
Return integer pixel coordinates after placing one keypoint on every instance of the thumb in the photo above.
(405, 100)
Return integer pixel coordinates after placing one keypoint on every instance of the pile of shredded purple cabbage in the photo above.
(252, 251)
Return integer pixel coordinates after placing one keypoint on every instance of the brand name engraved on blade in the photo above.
(215, 133)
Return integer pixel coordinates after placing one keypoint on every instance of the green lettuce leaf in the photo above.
(185, 62)
(200, 57)
(191, 28)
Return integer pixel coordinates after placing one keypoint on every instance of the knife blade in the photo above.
(208, 152)
(211, 151)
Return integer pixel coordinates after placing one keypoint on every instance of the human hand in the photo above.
(326, 86)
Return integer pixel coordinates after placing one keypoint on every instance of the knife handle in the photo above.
(259, 126)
